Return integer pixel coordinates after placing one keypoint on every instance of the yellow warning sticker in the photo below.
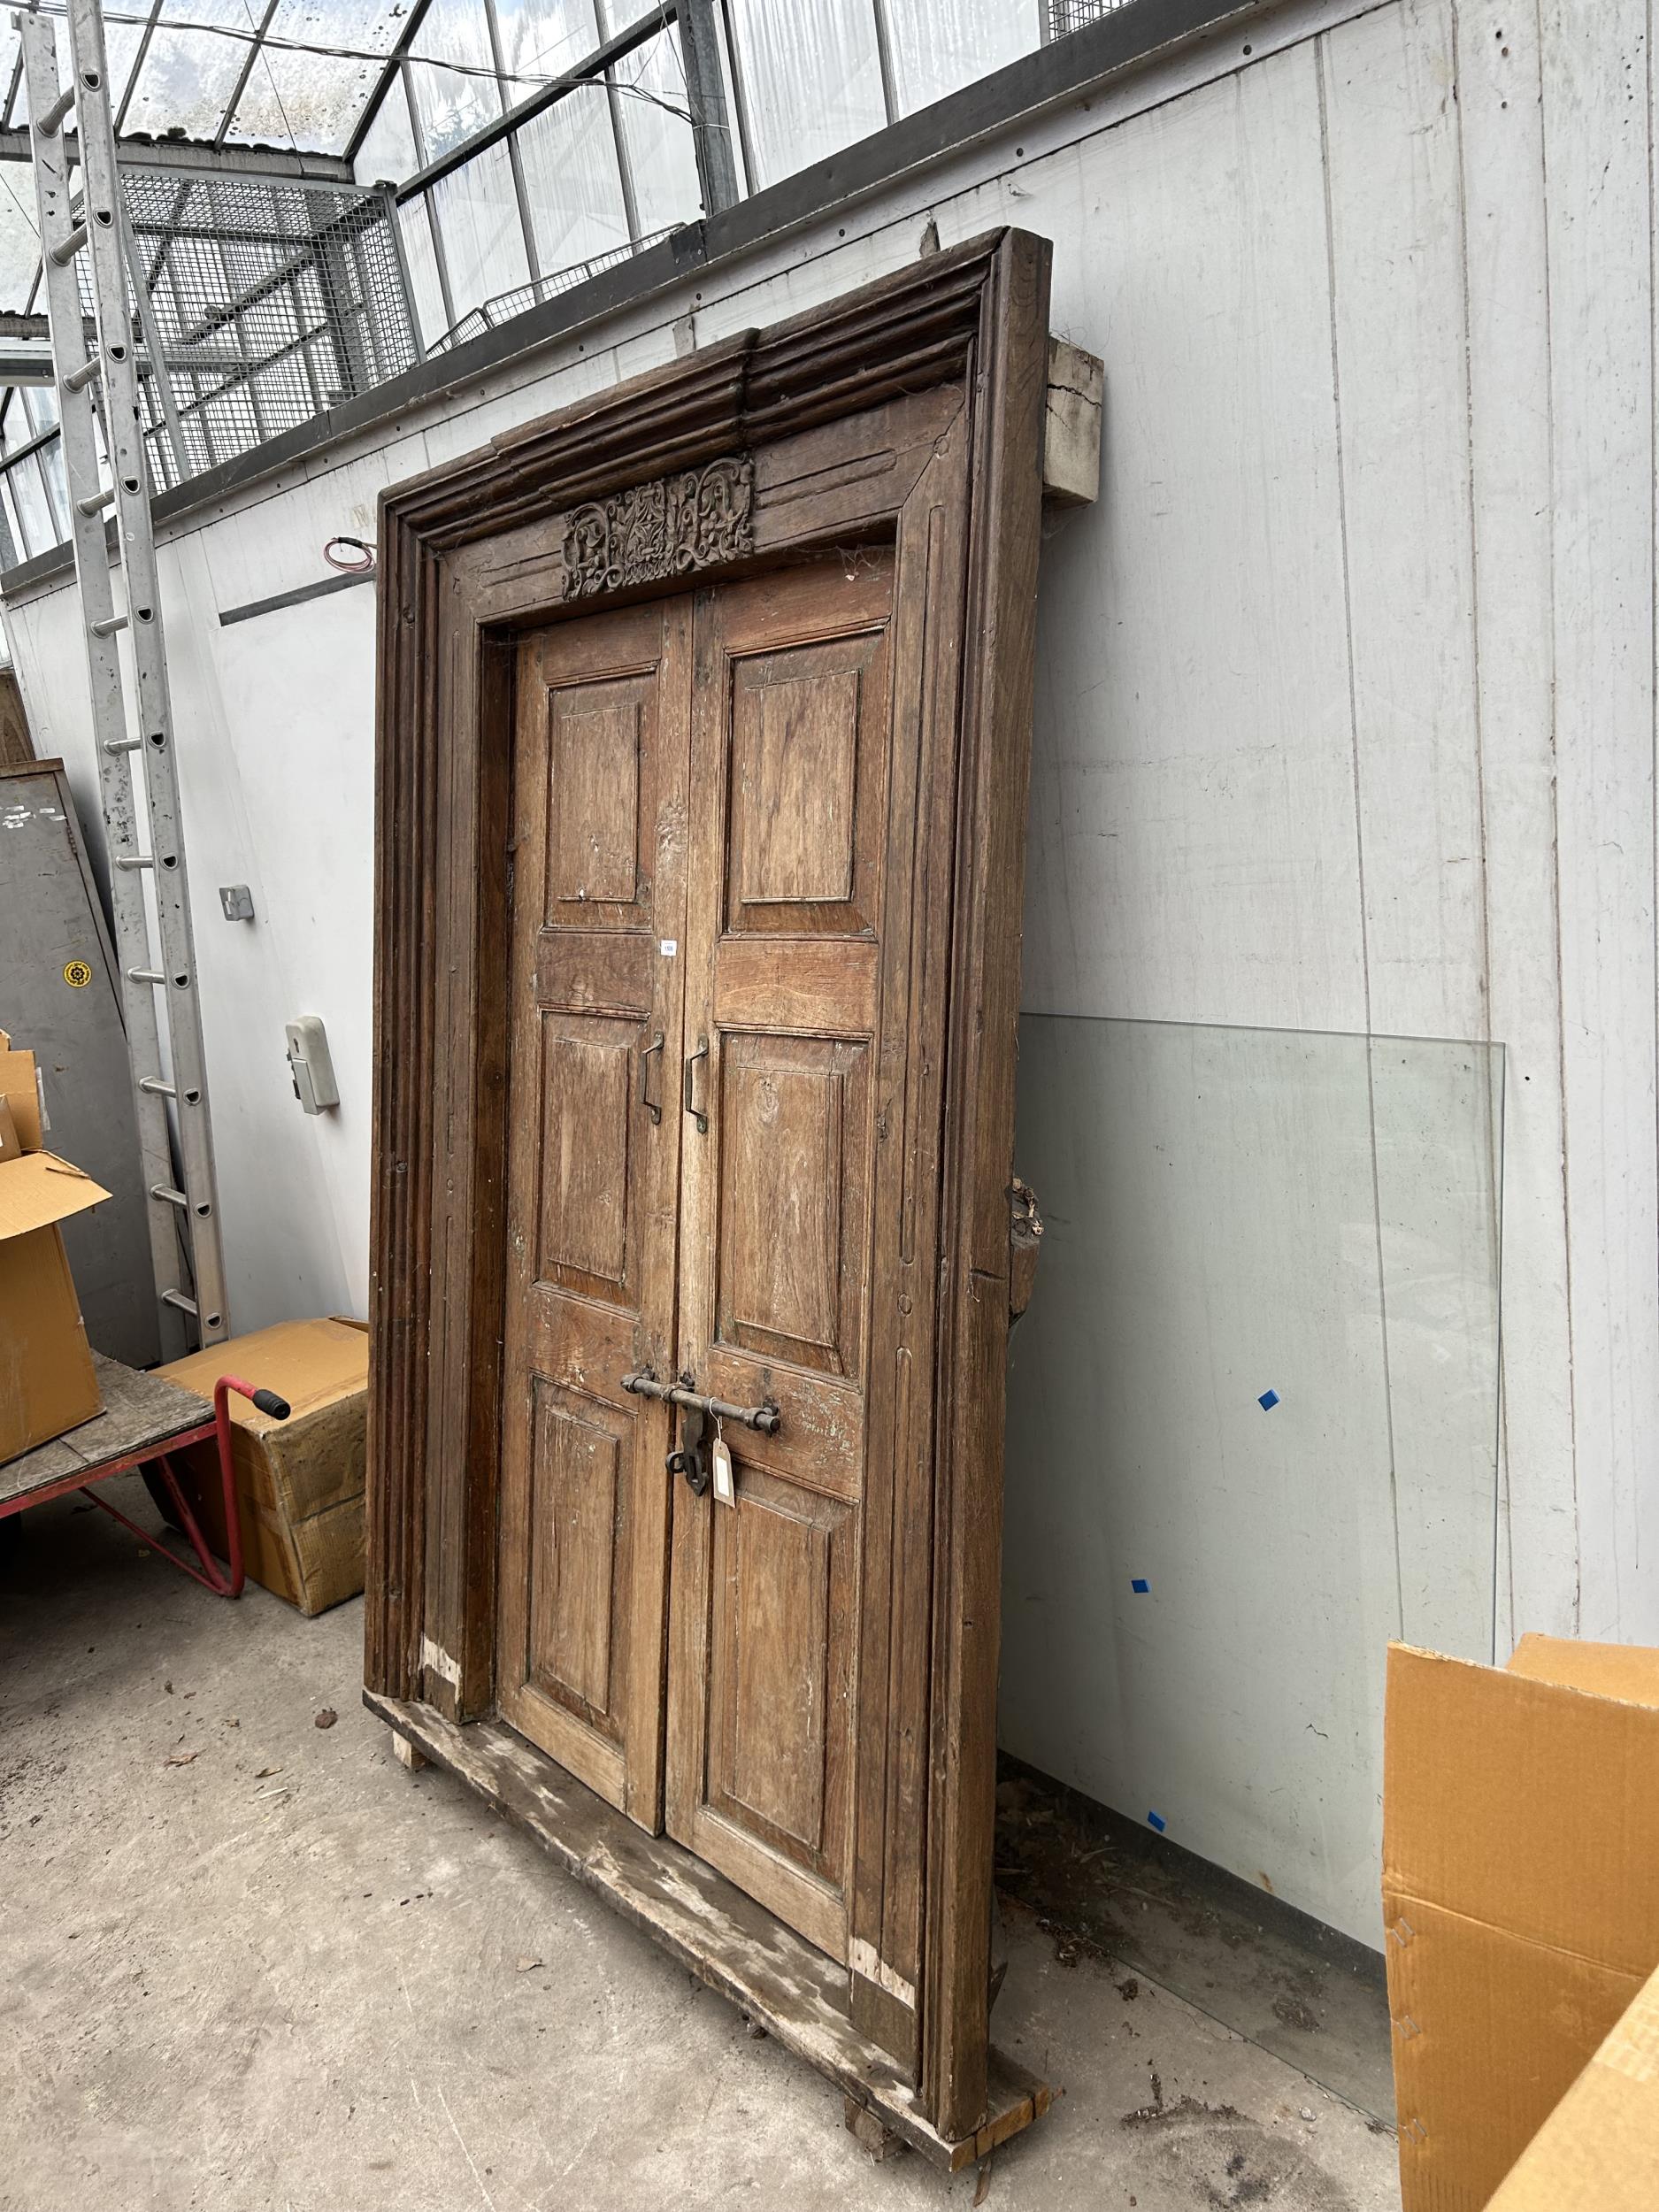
(77, 975)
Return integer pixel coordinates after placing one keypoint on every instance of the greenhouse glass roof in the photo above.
(321, 192)
(299, 75)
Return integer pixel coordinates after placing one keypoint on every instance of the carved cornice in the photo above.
(670, 526)
(916, 328)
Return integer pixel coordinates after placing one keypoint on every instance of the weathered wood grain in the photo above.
(593, 1178)
(729, 1942)
(791, 732)
(992, 778)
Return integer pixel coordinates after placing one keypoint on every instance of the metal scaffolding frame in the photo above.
(264, 302)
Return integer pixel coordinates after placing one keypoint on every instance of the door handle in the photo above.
(646, 1100)
(702, 1053)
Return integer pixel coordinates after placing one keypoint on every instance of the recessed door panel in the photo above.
(593, 1181)
(584, 1219)
(779, 1726)
(604, 768)
(805, 784)
(576, 1503)
(594, 794)
(794, 1130)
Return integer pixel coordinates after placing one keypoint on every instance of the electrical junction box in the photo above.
(310, 1064)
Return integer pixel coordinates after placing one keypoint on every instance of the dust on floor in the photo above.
(247, 1963)
(1302, 1990)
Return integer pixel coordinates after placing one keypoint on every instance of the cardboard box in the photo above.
(1599, 2149)
(1520, 1893)
(299, 1482)
(47, 1382)
(21, 1088)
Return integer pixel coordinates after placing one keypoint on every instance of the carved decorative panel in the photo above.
(668, 527)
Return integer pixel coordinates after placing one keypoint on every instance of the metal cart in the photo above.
(144, 1421)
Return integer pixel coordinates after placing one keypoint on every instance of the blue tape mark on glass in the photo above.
(1156, 1820)
(1268, 1400)
(1140, 1585)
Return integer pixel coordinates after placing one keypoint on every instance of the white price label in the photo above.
(720, 1460)
(670, 947)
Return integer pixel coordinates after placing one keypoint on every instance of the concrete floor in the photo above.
(249, 1963)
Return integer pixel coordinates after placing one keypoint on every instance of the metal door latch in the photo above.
(764, 1419)
(689, 1460)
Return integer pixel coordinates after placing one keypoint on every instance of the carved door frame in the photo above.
(668, 478)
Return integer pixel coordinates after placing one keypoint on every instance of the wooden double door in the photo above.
(706, 812)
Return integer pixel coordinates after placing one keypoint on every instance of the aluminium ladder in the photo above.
(158, 987)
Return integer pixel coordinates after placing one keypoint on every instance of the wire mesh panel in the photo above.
(271, 301)
(1065, 16)
(506, 305)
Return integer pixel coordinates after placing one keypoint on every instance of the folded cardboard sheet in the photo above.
(1599, 2149)
(1520, 1893)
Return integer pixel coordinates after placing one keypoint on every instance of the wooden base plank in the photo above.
(725, 1938)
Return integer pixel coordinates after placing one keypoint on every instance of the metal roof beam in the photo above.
(25, 361)
(254, 53)
(193, 154)
(590, 70)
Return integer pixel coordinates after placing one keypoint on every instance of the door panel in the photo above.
(575, 1507)
(593, 1189)
(584, 1219)
(790, 1251)
(600, 825)
(778, 1807)
(790, 724)
(803, 842)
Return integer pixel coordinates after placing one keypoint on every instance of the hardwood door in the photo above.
(789, 777)
(911, 413)
(593, 1160)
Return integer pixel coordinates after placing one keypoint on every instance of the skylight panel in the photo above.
(315, 99)
(196, 55)
(542, 39)
(453, 82)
